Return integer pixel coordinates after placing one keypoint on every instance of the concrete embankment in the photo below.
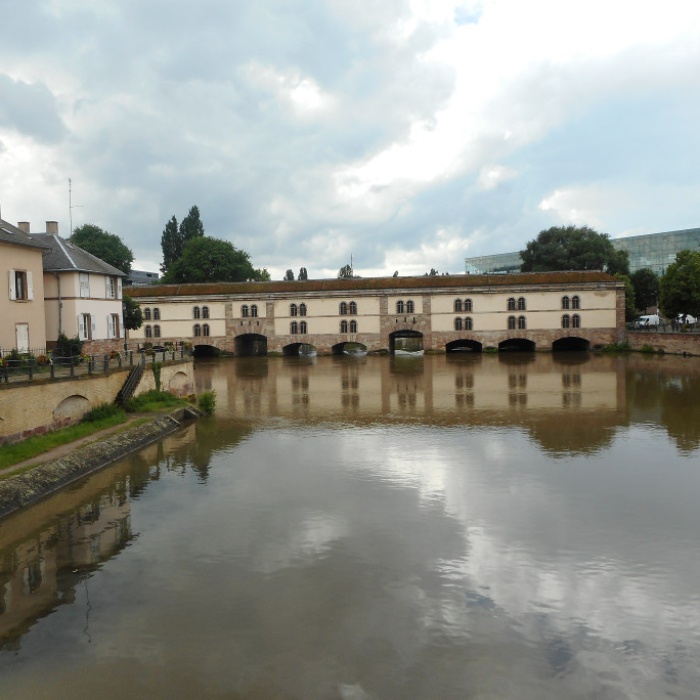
(30, 486)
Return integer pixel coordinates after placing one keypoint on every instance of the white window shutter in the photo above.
(119, 287)
(30, 286)
(109, 326)
(11, 274)
(92, 326)
(81, 334)
(106, 287)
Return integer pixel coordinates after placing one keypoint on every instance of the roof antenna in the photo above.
(71, 206)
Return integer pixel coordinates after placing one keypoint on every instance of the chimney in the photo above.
(52, 227)
(23, 226)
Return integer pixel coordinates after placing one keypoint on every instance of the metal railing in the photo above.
(20, 366)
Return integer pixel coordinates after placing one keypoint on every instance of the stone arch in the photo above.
(464, 345)
(571, 343)
(71, 409)
(406, 341)
(250, 344)
(179, 383)
(516, 345)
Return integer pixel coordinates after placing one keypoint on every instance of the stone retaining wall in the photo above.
(673, 343)
(30, 486)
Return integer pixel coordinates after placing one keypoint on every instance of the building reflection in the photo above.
(41, 572)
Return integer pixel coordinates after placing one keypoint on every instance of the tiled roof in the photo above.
(63, 256)
(12, 234)
(400, 284)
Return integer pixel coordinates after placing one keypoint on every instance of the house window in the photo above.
(205, 312)
(468, 323)
(293, 327)
(511, 304)
(521, 323)
(353, 308)
(458, 321)
(254, 310)
(511, 321)
(244, 311)
(353, 326)
(458, 308)
(410, 307)
(565, 302)
(148, 331)
(197, 329)
(84, 284)
(205, 329)
(146, 314)
(303, 327)
(196, 312)
(156, 331)
(302, 309)
(84, 326)
(399, 307)
(576, 321)
(521, 304)
(343, 326)
(293, 310)
(113, 326)
(111, 287)
(343, 308)
(575, 302)
(565, 321)
(21, 288)
(468, 305)
(156, 314)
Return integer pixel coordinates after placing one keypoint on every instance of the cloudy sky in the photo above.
(407, 134)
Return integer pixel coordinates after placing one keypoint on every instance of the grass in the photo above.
(101, 417)
(38, 444)
(153, 401)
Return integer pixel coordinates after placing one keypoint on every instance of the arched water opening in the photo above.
(350, 348)
(516, 345)
(406, 343)
(571, 344)
(251, 345)
(464, 345)
(299, 350)
(71, 409)
(203, 350)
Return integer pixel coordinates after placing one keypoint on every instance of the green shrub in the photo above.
(206, 402)
(105, 410)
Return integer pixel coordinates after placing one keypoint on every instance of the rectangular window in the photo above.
(21, 288)
(113, 326)
(84, 284)
(111, 287)
(84, 327)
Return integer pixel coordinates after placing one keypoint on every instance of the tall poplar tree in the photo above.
(191, 226)
(172, 245)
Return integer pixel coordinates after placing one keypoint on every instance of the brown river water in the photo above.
(463, 526)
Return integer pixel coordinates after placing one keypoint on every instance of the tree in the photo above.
(262, 275)
(133, 315)
(646, 288)
(289, 276)
(573, 248)
(172, 244)
(303, 274)
(191, 226)
(207, 259)
(103, 245)
(679, 288)
(345, 272)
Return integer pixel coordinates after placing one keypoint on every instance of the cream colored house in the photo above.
(82, 294)
(22, 318)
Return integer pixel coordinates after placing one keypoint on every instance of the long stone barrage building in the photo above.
(529, 311)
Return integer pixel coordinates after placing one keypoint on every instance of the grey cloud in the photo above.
(30, 109)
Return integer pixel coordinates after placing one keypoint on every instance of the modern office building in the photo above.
(653, 250)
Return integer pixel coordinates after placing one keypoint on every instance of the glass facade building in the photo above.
(653, 250)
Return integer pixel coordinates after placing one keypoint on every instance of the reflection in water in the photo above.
(461, 527)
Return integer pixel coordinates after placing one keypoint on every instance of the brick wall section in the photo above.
(31, 408)
(673, 343)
